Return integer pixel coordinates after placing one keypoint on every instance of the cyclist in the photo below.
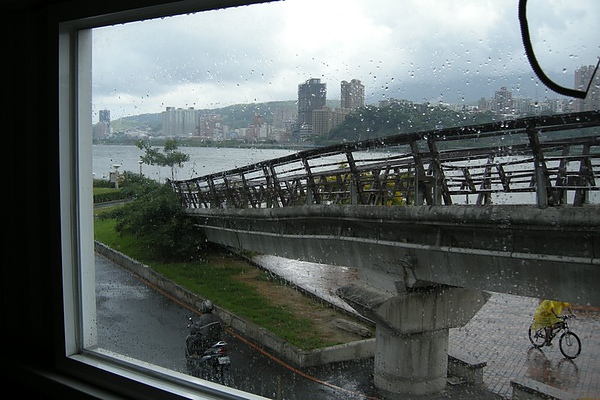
(546, 315)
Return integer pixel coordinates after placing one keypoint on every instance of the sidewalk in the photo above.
(496, 335)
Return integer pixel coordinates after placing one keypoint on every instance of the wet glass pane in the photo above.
(336, 103)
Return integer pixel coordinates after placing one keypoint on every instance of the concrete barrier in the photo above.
(466, 367)
(529, 389)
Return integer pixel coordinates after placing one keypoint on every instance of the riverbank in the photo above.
(227, 144)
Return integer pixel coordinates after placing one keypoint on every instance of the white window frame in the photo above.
(79, 357)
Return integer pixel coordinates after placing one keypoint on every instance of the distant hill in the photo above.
(242, 115)
(142, 121)
(236, 116)
(373, 122)
(368, 122)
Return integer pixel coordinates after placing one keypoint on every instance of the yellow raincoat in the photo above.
(544, 316)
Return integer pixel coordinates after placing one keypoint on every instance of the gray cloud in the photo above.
(415, 49)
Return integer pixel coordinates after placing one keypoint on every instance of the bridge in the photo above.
(432, 220)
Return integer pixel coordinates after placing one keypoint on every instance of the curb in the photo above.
(529, 389)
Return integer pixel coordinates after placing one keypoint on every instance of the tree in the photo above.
(371, 122)
(170, 158)
(155, 217)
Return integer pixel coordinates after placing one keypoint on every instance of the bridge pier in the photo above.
(411, 364)
(411, 348)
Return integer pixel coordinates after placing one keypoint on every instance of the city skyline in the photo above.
(408, 50)
(285, 121)
(502, 98)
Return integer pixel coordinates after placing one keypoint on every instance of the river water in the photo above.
(203, 160)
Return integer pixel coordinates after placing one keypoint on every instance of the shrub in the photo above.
(156, 218)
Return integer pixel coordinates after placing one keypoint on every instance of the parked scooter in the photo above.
(205, 351)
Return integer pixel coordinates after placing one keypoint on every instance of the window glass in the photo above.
(236, 86)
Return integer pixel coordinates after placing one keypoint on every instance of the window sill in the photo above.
(103, 374)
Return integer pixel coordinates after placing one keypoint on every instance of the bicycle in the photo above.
(569, 343)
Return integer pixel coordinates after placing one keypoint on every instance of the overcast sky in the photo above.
(421, 50)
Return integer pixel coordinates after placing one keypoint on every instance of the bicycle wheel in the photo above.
(537, 337)
(570, 345)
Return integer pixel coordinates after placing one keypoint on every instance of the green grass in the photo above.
(216, 279)
(104, 194)
(102, 190)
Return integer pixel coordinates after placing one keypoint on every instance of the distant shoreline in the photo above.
(183, 142)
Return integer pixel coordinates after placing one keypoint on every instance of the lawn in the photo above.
(217, 276)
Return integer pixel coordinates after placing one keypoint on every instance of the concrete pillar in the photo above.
(411, 347)
(411, 364)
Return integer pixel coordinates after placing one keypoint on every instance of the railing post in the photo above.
(201, 199)
(418, 197)
(272, 187)
(421, 195)
(559, 194)
(356, 181)
(586, 177)
(269, 187)
(486, 183)
(245, 195)
(439, 180)
(311, 193)
(436, 188)
(277, 194)
(541, 173)
(541, 190)
(214, 198)
(189, 198)
(228, 195)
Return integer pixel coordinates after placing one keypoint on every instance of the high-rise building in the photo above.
(104, 116)
(212, 126)
(502, 102)
(352, 94)
(483, 104)
(312, 95)
(326, 119)
(180, 122)
(583, 77)
(102, 128)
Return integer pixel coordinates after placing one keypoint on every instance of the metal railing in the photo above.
(548, 161)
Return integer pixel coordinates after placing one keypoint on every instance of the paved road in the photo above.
(137, 321)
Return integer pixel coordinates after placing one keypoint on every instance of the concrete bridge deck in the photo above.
(522, 250)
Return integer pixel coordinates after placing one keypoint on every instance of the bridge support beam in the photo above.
(411, 349)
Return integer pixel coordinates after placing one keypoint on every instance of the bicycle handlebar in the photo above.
(567, 316)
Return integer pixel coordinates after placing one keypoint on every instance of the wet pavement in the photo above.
(140, 322)
(319, 280)
(497, 335)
